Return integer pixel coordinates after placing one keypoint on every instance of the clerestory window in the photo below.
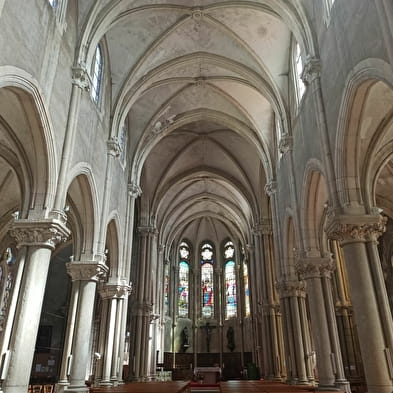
(96, 79)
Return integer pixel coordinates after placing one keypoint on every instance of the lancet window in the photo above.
(247, 309)
(97, 75)
(207, 279)
(184, 280)
(230, 281)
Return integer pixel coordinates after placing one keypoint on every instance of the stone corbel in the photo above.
(113, 147)
(286, 144)
(271, 188)
(134, 190)
(314, 267)
(311, 70)
(80, 77)
(115, 291)
(45, 233)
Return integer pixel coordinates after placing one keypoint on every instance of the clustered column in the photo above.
(271, 316)
(84, 275)
(37, 239)
(316, 271)
(372, 314)
(113, 296)
(142, 311)
(292, 296)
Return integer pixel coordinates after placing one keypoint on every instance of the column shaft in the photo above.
(27, 320)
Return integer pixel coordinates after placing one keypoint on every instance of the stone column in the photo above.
(310, 270)
(291, 292)
(80, 83)
(270, 305)
(143, 307)
(65, 361)
(40, 238)
(353, 232)
(113, 297)
(85, 275)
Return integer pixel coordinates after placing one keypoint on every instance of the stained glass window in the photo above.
(184, 250)
(246, 290)
(166, 289)
(96, 75)
(207, 274)
(230, 289)
(183, 302)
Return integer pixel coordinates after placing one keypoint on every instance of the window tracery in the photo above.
(207, 280)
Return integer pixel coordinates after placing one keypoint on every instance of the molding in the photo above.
(47, 233)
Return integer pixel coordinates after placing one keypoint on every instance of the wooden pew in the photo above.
(146, 387)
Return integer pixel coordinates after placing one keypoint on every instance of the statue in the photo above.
(184, 340)
(230, 339)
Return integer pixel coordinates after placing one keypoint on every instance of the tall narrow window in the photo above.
(247, 310)
(207, 280)
(96, 75)
(230, 281)
(166, 289)
(184, 280)
(53, 3)
(298, 65)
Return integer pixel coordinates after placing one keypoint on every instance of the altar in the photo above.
(208, 375)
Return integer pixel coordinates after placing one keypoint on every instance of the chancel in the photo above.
(196, 187)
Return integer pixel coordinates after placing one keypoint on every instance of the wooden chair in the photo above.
(30, 389)
(37, 388)
(48, 389)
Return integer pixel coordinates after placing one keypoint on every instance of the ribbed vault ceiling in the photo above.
(200, 84)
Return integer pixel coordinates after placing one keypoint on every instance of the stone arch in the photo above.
(314, 207)
(34, 160)
(114, 252)
(82, 203)
(360, 129)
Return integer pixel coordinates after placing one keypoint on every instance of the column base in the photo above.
(343, 384)
(61, 386)
(77, 389)
(105, 383)
(327, 388)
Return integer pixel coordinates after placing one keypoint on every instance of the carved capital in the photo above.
(311, 71)
(271, 188)
(264, 227)
(134, 190)
(45, 233)
(286, 144)
(290, 288)
(115, 291)
(80, 77)
(146, 230)
(354, 229)
(309, 268)
(86, 271)
(143, 309)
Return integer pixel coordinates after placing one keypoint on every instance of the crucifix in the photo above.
(208, 331)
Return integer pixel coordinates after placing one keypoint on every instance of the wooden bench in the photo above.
(264, 387)
(146, 387)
